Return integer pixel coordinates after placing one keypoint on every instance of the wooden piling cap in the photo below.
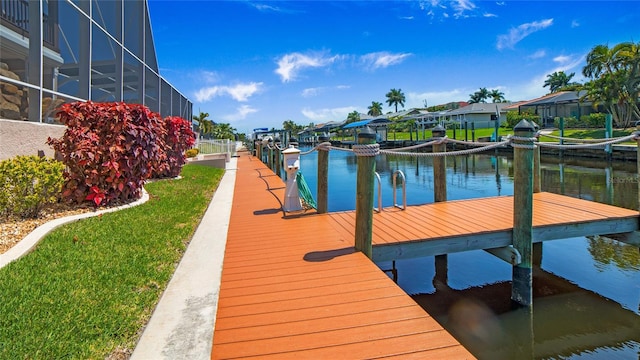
(524, 125)
(367, 133)
(438, 131)
(291, 150)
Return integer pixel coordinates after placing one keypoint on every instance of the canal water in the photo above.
(586, 290)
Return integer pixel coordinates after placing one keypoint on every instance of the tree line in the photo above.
(614, 80)
(213, 130)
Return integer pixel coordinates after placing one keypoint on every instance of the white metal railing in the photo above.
(379, 208)
(217, 146)
(404, 190)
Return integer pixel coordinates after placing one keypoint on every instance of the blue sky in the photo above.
(256, 64)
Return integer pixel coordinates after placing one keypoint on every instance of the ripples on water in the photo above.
(586, 290)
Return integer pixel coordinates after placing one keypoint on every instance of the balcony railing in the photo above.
(15, 15)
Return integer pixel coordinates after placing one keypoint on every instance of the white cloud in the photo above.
(262, 7)
(240, 114)
(575, 24)
(515, 35)
(239, 92)
(311, 92)
(489, 15)
(461, 7)
(406, 17)
(206, 94)
(562, 59)
(416, 100)
(290, 65)
(382, 59)
(324, 115)
(242, 92)
(568, 62)
(209, 77)
(537, 55)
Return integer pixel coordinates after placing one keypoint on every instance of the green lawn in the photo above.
(427, 134)
(89, 287)
(486, 132)
(591, 134)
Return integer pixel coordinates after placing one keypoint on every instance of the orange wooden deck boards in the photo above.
(293, 287)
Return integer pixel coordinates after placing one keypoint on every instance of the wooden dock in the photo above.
(452, 226)
(294, 287)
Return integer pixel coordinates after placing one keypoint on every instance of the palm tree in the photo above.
(224, 131)
(205, 125)
(291, 127)
(601, 60)
(479, 96)
(615, 74)
(201, 116)
(375, 109)
(496, 96)
(558, 81)
(395, 97)
(353, 117)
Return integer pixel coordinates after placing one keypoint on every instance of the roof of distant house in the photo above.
(479, 108)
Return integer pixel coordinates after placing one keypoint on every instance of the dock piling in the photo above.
(638, 160)
(278, 157)
(608, 123)
(323, 176)
(561, 129)
(439, 165)
(440, 184)
(258, 148)
(366, 151)
(270, 155)
(537, 186)
(523, 144)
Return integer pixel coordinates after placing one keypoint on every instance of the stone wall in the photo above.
(26, 138)
(14, 101)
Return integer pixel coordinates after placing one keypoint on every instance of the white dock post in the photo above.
(292, 165)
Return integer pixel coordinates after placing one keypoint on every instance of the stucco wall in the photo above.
(26, 138)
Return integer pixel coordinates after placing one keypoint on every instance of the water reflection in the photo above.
(568, 321)
(586, 291)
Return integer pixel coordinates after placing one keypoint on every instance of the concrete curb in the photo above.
(181, 326)
(34, 237)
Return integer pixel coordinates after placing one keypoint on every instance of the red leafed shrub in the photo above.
(178, 138)
(109, 149)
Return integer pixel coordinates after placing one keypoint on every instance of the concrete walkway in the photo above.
(181, 327)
